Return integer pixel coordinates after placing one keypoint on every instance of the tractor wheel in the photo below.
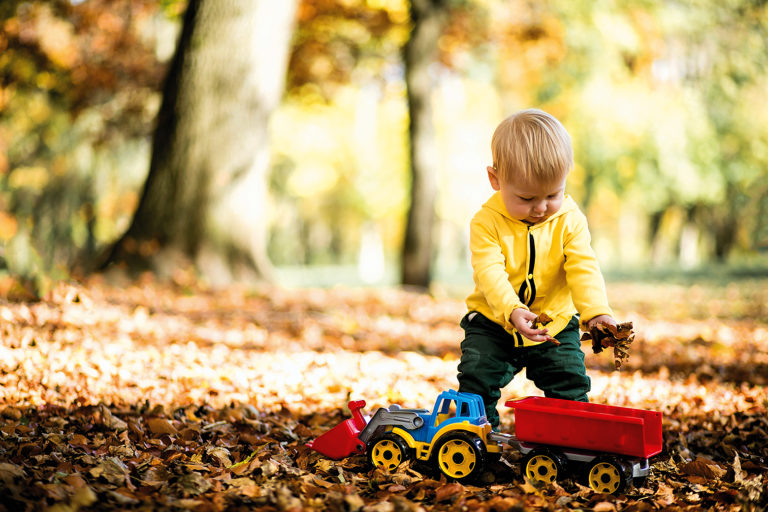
(460, 456)
(544, 465)
(388, 452)
(608, 475)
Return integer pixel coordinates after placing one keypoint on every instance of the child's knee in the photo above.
(568, 386)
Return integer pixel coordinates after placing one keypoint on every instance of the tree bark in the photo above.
(428, 18)
(204, 199)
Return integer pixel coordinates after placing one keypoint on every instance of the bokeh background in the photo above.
(665, 101)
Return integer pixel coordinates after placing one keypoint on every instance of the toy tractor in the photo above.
(455, 437)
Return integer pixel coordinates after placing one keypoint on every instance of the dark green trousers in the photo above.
(490, 359)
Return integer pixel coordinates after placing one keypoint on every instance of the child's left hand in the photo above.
(601, 319)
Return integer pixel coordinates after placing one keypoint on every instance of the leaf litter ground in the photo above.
(150, 397)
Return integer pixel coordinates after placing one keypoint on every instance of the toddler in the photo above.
(531, 254)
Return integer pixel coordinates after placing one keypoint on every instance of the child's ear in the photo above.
(493, 178)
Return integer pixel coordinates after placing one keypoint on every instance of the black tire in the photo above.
(544, 465)
(388, 452)
(460, 456)
(609, 475)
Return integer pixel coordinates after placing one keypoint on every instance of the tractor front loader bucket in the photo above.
(342, 440)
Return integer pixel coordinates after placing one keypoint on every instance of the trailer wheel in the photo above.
(388, 452)
(461, 456)
(544, 465)
(608, 475)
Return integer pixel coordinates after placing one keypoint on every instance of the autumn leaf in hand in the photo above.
(618, 336)
(542, 320)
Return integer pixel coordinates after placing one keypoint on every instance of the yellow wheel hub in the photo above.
(541, 468)
(457, 459)
(604, 477)
(387, 454)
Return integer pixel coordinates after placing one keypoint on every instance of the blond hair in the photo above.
(531, 146)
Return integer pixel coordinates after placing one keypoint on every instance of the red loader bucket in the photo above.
(342, 441)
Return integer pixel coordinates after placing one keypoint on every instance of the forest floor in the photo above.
(150, 396)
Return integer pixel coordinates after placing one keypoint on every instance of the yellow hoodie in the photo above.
(548, 267)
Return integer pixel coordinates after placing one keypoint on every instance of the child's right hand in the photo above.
(523, 319)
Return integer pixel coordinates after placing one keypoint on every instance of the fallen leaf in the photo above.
(112, 469)
(220, 454)
(160, 426)
(83, 497)
(9, 472)
(703, 467)
(110, 421)
(194, 484)
(448, 491)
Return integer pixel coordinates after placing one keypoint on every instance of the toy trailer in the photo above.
(611, 444)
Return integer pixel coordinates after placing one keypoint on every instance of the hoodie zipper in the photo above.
(527, 292)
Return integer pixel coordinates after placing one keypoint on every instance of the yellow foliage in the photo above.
(8, 226)
(56, 38)
(34, 178)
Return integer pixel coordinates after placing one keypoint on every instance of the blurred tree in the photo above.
(725, 62)
(336, 43)
(429, 19)
(204, 198)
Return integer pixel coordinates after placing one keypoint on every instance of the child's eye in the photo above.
(526, 198)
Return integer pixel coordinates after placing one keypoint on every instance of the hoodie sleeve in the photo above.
(489, 270)
(582, 272)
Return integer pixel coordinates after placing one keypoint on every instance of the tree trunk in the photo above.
(428, 18)
(205, 196)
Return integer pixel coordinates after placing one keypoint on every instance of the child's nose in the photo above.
(540, 207)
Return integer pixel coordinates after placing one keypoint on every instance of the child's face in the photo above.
(530, 202)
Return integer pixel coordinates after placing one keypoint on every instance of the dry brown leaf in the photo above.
(112, 469)
(83, 497)
(703, 467)
(448, 491)
(160, 426)
(111, 421)
(618, 336)
(12, 413)
(194, 484)
(540, 321)
(219, 454)
(8, 472)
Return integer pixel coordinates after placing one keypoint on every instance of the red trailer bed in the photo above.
(587, 426)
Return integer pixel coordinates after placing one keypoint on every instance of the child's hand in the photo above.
(523, 320)
(601, 319)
